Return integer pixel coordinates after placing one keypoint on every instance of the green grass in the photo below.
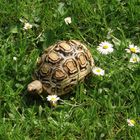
(101, 113)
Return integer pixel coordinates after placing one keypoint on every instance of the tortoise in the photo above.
(61, 67)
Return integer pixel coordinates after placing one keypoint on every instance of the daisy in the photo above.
(15, 58)
(105, 47)
(131, 122)
(27, 26)
(134, 59)
(67, 20)
(53, 99)
(98, 71)
(133, 49)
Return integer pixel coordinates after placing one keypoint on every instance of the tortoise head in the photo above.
(35, 87)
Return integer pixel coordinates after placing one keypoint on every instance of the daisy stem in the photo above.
(73, 105)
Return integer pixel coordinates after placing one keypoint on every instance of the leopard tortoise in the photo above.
(61, 67)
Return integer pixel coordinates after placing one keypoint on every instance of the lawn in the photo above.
(97, 109)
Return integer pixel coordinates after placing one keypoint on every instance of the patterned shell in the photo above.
(63, 65)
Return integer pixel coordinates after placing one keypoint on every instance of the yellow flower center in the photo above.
(53, 99)
(132, 121)
(135, 59)
(105, 47)
(133, 50)
(98, 70)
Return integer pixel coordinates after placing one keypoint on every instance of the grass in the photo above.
(98, 114)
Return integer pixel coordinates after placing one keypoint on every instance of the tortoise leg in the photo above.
(35, 86)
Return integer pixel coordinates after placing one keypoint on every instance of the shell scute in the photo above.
(82, 60)
(59, 74)
(53, 57)
(70, 66)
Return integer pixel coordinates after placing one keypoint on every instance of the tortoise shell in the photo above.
(62, 66)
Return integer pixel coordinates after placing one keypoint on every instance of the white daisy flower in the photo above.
(105, 47)
(133, 49)
(15, 58)
(131, 122)
(27, 26)
(53, 99)
(98, 71)
(134, 59)
(68, 20)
